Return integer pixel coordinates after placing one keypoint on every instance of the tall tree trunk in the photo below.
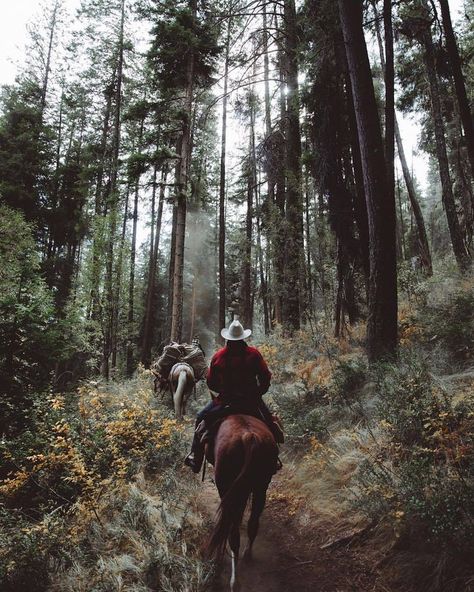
(461, 253)
(360, 204)
(55, 192)
(172, 256)
(424, 247)
(270, 172)
(459, 83)
(222, 191)
(389, 78)
(338, 308)
(117, 283)
(400, 215)
(131, 285)
(183, 172)
(382, 321)
(113, 205)
(309, 273)
(144, 358)
(97, 243)
(44, 88)
(193, 309)
(268, 115)
(278, 218)
(246, 284)
(263, 281)
(149, 317)
(294, 277)
(463, 186)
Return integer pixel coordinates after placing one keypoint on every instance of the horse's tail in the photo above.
(234, 501)
(179, 394)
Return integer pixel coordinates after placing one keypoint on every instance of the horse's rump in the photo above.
(245, 459)
(181, 380)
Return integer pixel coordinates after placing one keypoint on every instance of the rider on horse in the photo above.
(241, 376)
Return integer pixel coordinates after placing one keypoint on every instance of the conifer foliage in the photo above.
(167, 165)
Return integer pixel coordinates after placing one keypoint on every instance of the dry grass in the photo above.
(114, 502)
(325, 476)
(147, 539)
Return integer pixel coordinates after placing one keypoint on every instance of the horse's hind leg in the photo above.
(258, 503)
(234, 543)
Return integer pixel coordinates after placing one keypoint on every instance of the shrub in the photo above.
(411, 282)
(81, 449)
(420, 475)
(450, 325)
(301, 415)
(348, 378)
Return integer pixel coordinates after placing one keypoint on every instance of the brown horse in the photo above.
(245, 457)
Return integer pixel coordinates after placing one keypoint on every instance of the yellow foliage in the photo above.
(409, 330)
(113, 434)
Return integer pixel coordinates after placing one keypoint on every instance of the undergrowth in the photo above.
(94, 498)
(393, 445)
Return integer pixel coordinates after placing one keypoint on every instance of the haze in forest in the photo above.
(171, 167)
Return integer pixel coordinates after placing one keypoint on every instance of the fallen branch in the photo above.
(347, 538)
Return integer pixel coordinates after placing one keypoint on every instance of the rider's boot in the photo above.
(196, 456)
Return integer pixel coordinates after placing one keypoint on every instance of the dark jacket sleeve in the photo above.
(263, 375)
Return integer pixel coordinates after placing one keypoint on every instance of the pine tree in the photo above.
(382, 321)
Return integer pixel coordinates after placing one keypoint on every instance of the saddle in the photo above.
(207, 429)
(206, 434)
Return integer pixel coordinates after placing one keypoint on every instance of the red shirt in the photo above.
(237, 372)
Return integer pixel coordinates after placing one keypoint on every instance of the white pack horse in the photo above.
(182, 384)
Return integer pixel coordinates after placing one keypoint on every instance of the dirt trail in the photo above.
(287, 553)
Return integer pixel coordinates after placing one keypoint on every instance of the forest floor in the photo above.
(290, 551)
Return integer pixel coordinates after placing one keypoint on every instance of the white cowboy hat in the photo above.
(235, 332)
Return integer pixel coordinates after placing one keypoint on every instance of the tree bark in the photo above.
(131, 285)
(183, 172)
(222, 192)
(294, 244)
(268, 116)
(360, 204)
(44, 89)
(389, 78)
(246, 283)
(424, 246)
(149, 318)
(263, 281)
(94, 304)
(113, 199)
(309, 273)
(278, 212)
(459, 83)
(382, 321)
(461, 253)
